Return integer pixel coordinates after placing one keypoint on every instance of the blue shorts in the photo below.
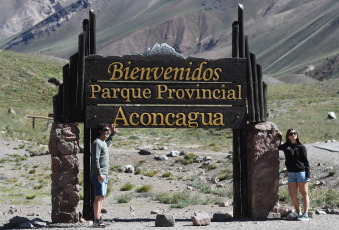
(99, 188)
(297, 177)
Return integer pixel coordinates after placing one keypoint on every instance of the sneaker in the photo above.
(101, 221)
(303, 218)
(98, 224)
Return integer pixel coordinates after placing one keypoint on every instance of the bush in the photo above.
(32, 171)
(127, 187)
(151, 174)
(30, 196)
(166, 174)
(125, 198)
(144, 188)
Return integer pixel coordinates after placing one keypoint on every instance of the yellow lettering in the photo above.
(122, 118)
(116, 69)
(131, 119)
(219, 119)
(148, 117)
(155, 115)
(168, 71)
(192, 117)
(160, 91)
(181, 121)
(95, 91)
(167, 119)
(105, 93)
(147, 93)
(216, 78)
(231, 94)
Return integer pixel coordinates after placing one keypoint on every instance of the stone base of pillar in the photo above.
(263, 168)
(64, 149)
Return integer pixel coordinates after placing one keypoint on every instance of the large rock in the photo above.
(331, 115)
(201, 219)
(164, 221)
(145, 152)
(263, 168)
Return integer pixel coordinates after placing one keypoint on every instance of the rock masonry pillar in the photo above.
(64, 149)
(263, 168)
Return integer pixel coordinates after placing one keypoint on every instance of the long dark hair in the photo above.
(288, 134)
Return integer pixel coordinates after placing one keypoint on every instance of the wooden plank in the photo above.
(250, 93)
(73, 87)
(244, 174)
(236, 174)
(85, 29)
(260, 94)
(166, 116)
(265, 101)
(81, 86)
(241, 31)
(255, 88)
(87, 206)
(66, 83)
(92, 33)
(169, 93)
(140, 68)
(235, 39)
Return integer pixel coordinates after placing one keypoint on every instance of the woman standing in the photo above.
(298, 171)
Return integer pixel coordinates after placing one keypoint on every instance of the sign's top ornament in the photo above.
(162, 50)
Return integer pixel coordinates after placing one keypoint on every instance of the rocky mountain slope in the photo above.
(285, 35)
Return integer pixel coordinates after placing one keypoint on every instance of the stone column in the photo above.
(64, 149)
(263, 168)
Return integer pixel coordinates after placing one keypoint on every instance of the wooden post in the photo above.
(66, 83)
(265, 100)
(236, 174)
(81, 86)
(260, 94)
(85, 29)
(244, 173)
(250, 94)
(87, 207)
(92, 30)
(255, 87)
(235, 39)
(73, 86)
(241, 31)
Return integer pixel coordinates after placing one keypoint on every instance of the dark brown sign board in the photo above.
(192, 92)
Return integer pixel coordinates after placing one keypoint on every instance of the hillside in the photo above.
(286, 35)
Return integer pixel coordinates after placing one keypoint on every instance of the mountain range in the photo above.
(290, 38)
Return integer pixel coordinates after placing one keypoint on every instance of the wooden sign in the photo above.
(115, 87)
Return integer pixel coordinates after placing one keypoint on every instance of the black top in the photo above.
(296, 158)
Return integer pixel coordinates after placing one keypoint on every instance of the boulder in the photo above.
(201, 219)
(164, 221)
(145, 152)
(129, 169)
(331, 115)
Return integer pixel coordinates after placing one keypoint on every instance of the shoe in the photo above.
(103, 222)
(98, 224)
(303, 218)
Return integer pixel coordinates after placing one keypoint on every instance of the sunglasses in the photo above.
(106, 130)
(294, 133)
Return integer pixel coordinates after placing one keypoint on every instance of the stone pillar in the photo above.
(263, 168)
(64, 149)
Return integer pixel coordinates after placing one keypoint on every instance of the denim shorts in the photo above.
(298, 177)
(100, 188)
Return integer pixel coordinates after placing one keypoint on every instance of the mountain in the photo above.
(285, 35)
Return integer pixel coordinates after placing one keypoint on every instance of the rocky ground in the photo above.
(140, 212)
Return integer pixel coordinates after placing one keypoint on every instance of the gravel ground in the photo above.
(137, 213)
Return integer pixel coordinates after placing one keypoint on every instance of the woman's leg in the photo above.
(303, 187)
(293, 191)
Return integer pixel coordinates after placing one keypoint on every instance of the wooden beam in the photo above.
(236, 174)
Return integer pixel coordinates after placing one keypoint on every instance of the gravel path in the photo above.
(140, 216)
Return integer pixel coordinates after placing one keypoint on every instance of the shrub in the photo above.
(166, 174)
(151, 173)
(127, 187)
(144, 188)
(225, 174)
(138, 171)
(210, 167)
(30, 196)
(38, 186)
(32, 171)
(125, 198)
(141, 162)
